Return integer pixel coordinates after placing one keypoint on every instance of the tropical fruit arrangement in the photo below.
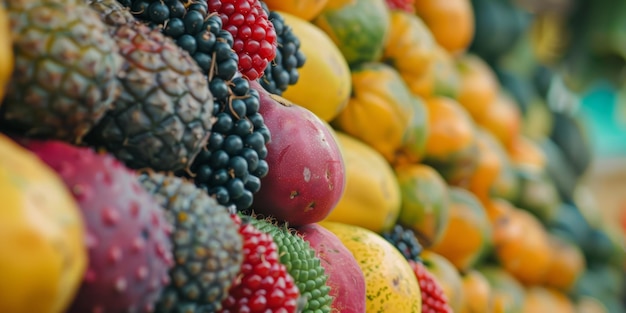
(318, 156)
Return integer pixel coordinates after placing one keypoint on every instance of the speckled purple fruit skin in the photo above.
(306, 175)
(127, 233)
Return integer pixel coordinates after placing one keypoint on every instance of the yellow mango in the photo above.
(371, 197)
(390, 284)
(42, 252)
(324, 84)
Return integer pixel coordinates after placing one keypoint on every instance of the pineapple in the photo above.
(66, 65)
(163, 116)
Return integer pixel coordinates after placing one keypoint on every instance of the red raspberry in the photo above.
(433, 298)
(254, 35)
(402, 5)
(263, 285)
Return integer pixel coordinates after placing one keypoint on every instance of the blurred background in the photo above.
(564, 62)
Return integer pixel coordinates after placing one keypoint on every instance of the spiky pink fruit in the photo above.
(127, 234)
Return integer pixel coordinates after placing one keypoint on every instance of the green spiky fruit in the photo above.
(302, 264)
(207, 246)
(65, 70)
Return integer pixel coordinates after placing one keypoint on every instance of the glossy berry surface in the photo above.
(254, 37)
(433, 298)
(405, 241)
(282, 72)
(264, 285)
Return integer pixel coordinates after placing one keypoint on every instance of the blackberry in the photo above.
(405, 241)
(282, 72)
(188, 22)
(232, 163)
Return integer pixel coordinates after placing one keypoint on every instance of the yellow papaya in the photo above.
(478, 293)
(410, 49)
(451, 21)
(509, 294)
(491, 159)
(325, 70)
(371, 198)
(566, 266)
(528, 153)
(479, 84)
(451, 144)
(446, 77)
(304, 9)
(503, 119)
(521, 243)
(380, 97)
(469, 233)
(546, 299)
(42, 252)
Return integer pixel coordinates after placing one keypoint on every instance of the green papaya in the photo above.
(571, 136)
(497, 26)
(520, 88)
(537, 194)
(559, 170)
(603, 282)
(569, 223)
(598, 246)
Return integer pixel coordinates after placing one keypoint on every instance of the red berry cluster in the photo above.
(254, 36)
(264, 285)
(434, 299)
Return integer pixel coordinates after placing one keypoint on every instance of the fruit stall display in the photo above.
(318, 156)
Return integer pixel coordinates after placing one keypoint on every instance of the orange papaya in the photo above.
(479, 84)
(451, 21)
(490, 163)
(451, 146)
(383, 113)
(469, 234)
(503, 119)
(411, 50)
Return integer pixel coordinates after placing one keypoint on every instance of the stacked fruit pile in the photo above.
(193, 156)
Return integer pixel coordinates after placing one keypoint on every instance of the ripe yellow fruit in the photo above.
(6, 52)
(324, 84)
(391, 285)
(478, 293)
(304, 9)
(448, 278)
(380, 97)
(371, 198)
(451, 21)
(42, 256)
(469, 232)
(425, 205)
(542, 299)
